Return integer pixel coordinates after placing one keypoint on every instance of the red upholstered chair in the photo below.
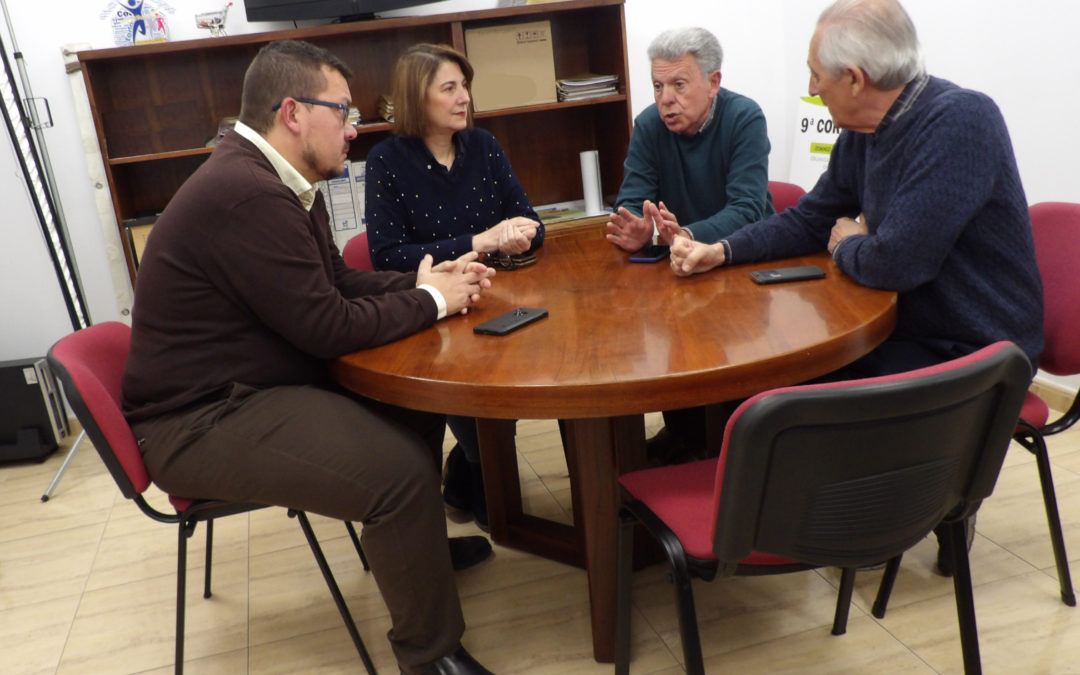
(89, 364)
(784, 195)
(356, 253)
(1057, 247)
(841, 474)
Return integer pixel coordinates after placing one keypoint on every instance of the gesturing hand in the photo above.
(628, 231)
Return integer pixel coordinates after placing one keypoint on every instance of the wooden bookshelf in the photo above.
(155, 106)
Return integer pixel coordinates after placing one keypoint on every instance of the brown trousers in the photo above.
(338, 455)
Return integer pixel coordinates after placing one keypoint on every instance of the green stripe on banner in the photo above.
(820, 148)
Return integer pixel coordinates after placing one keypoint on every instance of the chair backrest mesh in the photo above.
(90, 364)
(853, 473)
(1056, 226)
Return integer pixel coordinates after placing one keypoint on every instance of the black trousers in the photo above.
(338, 455)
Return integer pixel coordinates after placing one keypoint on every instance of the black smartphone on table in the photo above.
(787, 274)
(510, 321)
(651, 253)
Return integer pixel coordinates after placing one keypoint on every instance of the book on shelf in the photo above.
(386, 108)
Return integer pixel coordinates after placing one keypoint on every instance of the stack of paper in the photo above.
(585, 86)
(386, 108)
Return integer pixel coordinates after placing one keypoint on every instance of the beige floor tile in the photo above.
(1023, 628)
(33, 636)
(87, 585)
(47, 566)
(865, 648)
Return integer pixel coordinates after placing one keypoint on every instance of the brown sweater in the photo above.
(238, 283)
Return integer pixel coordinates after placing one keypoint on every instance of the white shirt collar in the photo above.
(304, 190)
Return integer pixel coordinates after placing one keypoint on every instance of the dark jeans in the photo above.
(338, 455)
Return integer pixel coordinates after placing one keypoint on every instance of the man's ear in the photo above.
(287, 117)
(858, 79)
(714, 82)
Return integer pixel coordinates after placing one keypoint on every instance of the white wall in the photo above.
(1025, 56)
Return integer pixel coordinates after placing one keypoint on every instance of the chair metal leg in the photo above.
(623, 587)
(1053, 518)
(63, 467)
(892, 568)
(843, 600)
(209, 556)
(356, 543)
(965, 600)
(684, 600)
(339, 599)
(181, 590)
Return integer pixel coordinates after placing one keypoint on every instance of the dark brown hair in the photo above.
(413, 74)
(281, 69)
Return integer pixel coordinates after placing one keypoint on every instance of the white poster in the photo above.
(814, 137)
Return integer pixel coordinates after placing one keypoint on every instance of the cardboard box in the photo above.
(514, 65)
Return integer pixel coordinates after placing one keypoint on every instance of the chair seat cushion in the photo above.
(1035, 411)
(682, 496)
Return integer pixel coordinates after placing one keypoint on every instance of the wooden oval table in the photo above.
(621, 339)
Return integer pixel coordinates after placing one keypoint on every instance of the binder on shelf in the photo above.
(338, 194)
(138, 231)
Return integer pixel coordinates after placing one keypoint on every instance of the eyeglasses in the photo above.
(342, 108)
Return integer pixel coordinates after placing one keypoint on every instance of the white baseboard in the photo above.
(1058, 396)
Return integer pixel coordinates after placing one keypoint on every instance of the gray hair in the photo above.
(875, 35)
(673, 44)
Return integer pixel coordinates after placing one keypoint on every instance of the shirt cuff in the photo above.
(440, 301)
(727, 251)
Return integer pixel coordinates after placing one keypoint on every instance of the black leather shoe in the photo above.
(667, 447)
(458, 663)
(468, 551)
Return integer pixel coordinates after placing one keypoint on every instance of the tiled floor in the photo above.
(87, 586)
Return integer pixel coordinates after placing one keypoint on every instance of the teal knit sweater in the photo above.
(715, 181)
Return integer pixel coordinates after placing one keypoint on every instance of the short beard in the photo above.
(310, 157)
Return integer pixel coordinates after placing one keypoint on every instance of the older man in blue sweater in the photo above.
(922, 196)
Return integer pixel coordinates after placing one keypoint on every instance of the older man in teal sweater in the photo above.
(699, 156)
(699, 161)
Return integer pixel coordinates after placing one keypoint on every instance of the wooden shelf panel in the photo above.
(155, 106)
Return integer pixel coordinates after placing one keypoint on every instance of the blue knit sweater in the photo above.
(715, 181)
(948, 221)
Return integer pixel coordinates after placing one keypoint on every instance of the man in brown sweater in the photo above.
(241, 299)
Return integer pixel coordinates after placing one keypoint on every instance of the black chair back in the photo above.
(845, 474)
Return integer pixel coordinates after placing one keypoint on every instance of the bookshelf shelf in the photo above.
(155, 106)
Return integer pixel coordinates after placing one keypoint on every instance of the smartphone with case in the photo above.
(787, 274)
(651, 253)
(510, 321)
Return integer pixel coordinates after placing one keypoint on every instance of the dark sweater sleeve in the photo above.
(296, 298)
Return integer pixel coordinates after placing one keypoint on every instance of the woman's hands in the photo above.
(510, 236)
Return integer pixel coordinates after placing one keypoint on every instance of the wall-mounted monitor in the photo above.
(296, 10)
